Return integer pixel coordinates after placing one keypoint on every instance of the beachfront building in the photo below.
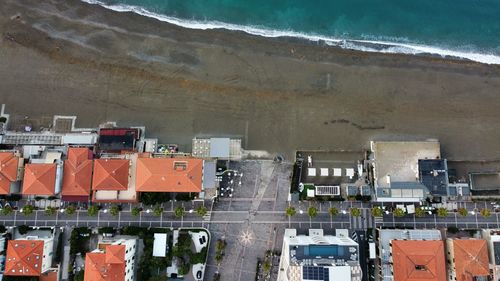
(177, 175)
(318, 257)
(396, 170)
(407, 255)
(468, 259)
(10, 167)
(329, 174)
(77, 175)
(113, 260)
(29, 256)
(112, 179)
(218, 148)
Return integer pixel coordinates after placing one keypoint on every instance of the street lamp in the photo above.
(301, 212)
(62, 210)
(344, 212)
(191, 211)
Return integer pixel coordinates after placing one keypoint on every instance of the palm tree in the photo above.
(377, 211)
(93, 211)
(463, 212)
(179, 212)
(70, 210)
(398, 212)
(201, 210)
(7, 210)
(114, 210)
(28, 210)
(312, 212)
(442, 212)
(485, 212)
(158, 210)
(419, 212)
(135, 211)
(333, 211)
(290, 211)
(355, 212)
(50, 211)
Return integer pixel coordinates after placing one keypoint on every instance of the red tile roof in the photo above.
(110, 174)
(77, 172)
(471, 258)
(169, 175)
(115, 254)
(415, 260)
(24, 258)
(97, 267)
(8, 171)
(39, 179)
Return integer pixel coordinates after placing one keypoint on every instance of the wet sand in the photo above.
(279, 95)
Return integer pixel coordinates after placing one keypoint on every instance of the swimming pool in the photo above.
(324, 250)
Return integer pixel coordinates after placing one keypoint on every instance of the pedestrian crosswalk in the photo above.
(365, 220)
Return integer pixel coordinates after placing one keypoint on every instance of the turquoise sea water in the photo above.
(462, 28)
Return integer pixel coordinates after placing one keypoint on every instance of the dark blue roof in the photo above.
(433, 173)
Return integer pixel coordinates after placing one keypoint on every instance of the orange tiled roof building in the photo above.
(9, 164)
(110, 174)
(469, 259)
(111, 262)
(416, 260)
(39, 179)
(169, 175)
(26, 257)
(77, 176)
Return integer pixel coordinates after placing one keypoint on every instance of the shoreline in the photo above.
(370, 46)
(278, 94)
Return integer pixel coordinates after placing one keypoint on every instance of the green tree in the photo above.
(463, 212)
(398, 212)
(135, 211)
(377, 211)
(158, 210)
(201, 210)
(70, 210)
(266, 266)
(93, 211)
(355, 212)
(442, 212)
(333, 211)
(50, 211)
(312, 211)
(28, 210)
(7, 210)
(114, 210)
(290, 211)
(419, 212)
(179, 212)
(485, 212)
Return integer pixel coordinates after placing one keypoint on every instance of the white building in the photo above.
(318, 257)
(395, 169)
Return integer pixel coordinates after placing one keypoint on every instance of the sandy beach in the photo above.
(279, 95)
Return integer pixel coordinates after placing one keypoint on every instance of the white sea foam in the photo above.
(360, 45)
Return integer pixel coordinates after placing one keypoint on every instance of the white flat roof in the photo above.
(160, 245)
(324, 172)
(339, 273)
(311, 172)
(337, 172)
